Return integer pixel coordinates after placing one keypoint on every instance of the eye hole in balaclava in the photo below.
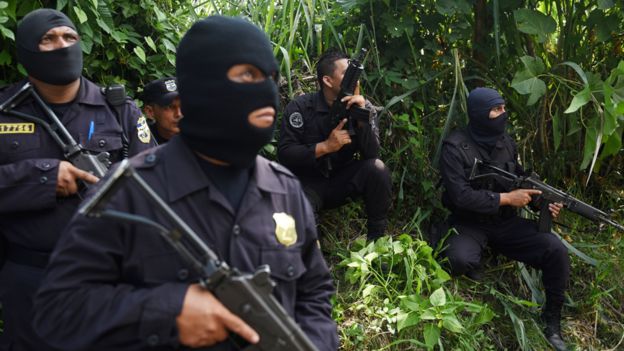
(57, 67)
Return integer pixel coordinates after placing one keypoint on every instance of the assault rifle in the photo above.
(249, 296)
(95, 164)
(510, 181)
(338, 110)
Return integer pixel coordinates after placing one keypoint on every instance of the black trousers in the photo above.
(369, 179)
(518, 239)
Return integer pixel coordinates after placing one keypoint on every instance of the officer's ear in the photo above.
(149, 111)
(328, 82)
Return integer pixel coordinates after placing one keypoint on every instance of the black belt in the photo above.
(27, 257)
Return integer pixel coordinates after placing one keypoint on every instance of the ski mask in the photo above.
(57, 67)
(216, 109)
(484, 130)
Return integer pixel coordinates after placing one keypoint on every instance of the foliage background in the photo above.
(557, 63)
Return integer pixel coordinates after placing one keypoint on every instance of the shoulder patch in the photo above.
(143, 131)
(281, 169)
(296, 120)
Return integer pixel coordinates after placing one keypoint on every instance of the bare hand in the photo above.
(518, 197)
(354, 99)
(338, 138)
(67, 179)
(204, 321)
(554, 208)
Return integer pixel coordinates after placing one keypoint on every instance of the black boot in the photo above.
(552, 330)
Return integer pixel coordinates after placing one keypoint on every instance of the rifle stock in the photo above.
(338, 110)
(549, 195)
(249, 296)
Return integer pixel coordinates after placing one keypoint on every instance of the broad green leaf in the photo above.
(534, 22)
(613, 144)
(140, 53)
(438, 298)
(485, 315)
(451, 323)
(103, 25)
(405, 320)
(95, 4)
(578, 71)
(432, 334)
(169, 45)
(5, 58)
(86, 45)
(605, 4)
(151, 43)
(82, 16)
(580, 99)
(452, 7)
(3, 5)
(534, 65)
(7, 33)
(428, 314)
(533, 86)
(60, 4)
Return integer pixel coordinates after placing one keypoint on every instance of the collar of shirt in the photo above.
(320, 105)
(179, 159)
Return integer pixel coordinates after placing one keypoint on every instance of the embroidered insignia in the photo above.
(17, 128)
(171, 85)
(143, 131)
(285, 230)
(296, 120)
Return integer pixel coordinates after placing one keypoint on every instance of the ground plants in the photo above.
(557, 63)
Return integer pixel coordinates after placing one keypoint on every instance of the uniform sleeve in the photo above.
(292, 151)
(458, 187)
(85, 303)
(367, 135)
(139, 136)
(28, 185)
(314, 290)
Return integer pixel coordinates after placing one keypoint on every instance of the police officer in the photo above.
(484, 214)
(121, 286)
(332, 165)
(38, 188)
(161, 105)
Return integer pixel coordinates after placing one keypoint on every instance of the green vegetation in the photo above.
(557, 63)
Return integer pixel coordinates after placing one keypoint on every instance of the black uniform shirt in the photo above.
(455, 170)
(305, 123)
(114, 286)
(31, 214)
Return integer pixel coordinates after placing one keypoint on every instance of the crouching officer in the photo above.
(115, 286)
(332, 165)
(38, 188)
(484, 214)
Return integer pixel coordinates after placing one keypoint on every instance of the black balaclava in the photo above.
(57, 67)
(216, 109)
(482, 129)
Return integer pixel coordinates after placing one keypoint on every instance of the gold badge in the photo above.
(285, 230)
(143, 131)
(17, 128)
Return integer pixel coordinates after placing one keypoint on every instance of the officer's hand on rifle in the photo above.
(68, 177)
(204, 321)
(518, 197)
(336, 140)
(354, 99)
(554, 208)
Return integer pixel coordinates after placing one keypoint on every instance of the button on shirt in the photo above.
(111, 285)
(30, 213)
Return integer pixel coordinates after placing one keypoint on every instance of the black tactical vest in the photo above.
(502, 156)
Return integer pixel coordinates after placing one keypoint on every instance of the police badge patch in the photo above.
(296, 120)
(171, 85)
(143, 131)
(285, 230)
